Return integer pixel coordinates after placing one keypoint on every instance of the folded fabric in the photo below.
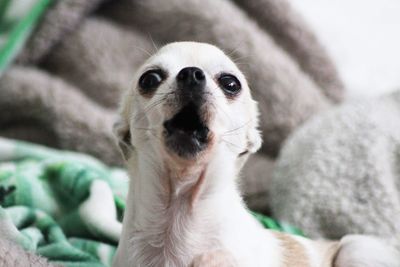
(64, 206)
(47, 196)
(340, 173)
(17, 19)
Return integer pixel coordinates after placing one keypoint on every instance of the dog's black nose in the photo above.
(191, 77)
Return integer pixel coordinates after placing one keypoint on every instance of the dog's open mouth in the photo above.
(186, 133)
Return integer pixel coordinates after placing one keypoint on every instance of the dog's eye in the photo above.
(230, 84)
(151, 79)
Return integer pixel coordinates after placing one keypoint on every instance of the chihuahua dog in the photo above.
(186, 128)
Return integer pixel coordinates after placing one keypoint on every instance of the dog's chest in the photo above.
(172, 238)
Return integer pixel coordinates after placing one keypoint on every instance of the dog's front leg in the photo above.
(215, 258)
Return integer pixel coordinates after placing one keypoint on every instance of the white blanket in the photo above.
(340, 172)
(362, 36)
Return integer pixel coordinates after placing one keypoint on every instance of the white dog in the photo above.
(186, 128)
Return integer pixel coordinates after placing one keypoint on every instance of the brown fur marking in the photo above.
(197, 188)
(217, 258)
(294, 253)
(330, 250)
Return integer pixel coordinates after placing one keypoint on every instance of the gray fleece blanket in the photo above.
(340, 173)
(64, 88)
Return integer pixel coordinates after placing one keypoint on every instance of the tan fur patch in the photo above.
(217, 258)
(329, 250)
(294, 253)
(197, 189)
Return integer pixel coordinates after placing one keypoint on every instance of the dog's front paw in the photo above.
(215, 258)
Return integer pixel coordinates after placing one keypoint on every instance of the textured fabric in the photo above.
(340, 173)
(255, 181)
(17, 19)
(63, 206)
(66, 207)
(36, 106)
(62, 18)
(291, 32)
(88, 60)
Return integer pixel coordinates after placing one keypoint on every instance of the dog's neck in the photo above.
(175, 213)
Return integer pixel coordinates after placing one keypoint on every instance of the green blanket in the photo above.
(17, 19)
(65, 206)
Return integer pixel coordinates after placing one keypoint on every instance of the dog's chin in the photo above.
(186, 134)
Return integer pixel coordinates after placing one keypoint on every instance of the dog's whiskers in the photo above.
(168, 93)
(241, 60)
(221, 96)
(215, 103)
(231, 144)
(153, 43)
(151, 106)
(234, 50)
(233, 131)
(157, 137)
(142, 114)
(143, 50)
(171, 91)
(234, 55)
(242, 64)
(144, 128)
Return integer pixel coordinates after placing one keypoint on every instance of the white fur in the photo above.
(161, 225)
(366, 251)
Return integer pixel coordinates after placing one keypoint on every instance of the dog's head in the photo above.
(187, 99)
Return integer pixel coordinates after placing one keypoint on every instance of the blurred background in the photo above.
(362, 37)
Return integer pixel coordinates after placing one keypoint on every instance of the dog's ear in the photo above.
(123, 134)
